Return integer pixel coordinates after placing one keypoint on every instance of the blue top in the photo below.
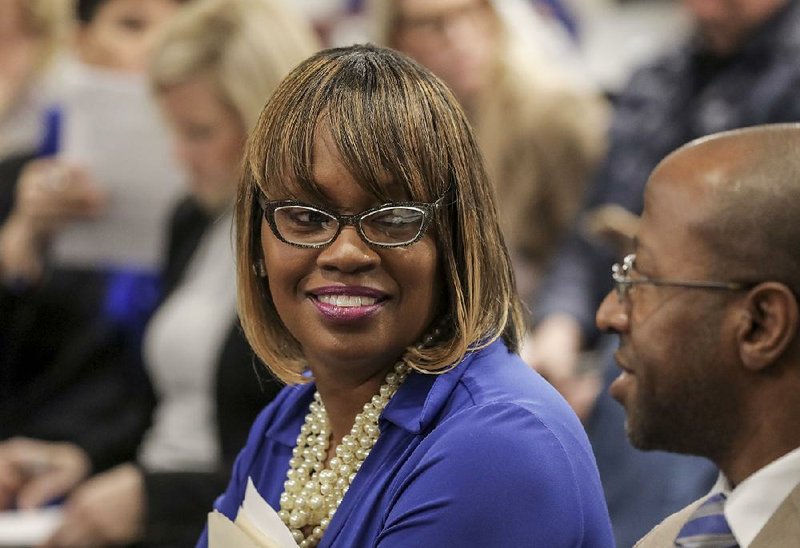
(487, 454)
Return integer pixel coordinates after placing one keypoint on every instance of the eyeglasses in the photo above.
(394, 224)
(623, 280)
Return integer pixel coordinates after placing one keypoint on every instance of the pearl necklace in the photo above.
(312, 492)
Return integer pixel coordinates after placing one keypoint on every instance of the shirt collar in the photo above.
(413, 408)
(753, 502)
(289, 417)
(422, 397)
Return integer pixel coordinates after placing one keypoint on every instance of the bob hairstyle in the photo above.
(391, 119)
(245, 48)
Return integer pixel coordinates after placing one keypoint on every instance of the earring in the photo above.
(260, 269)
(438, 332)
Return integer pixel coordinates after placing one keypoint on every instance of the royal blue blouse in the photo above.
(487, 454)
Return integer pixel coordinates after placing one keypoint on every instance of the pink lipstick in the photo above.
(344, 304)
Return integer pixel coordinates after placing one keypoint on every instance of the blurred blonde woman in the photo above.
(215, 66)
(540, 132)
(31, 32)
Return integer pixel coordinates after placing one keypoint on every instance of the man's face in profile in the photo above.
(670, 347)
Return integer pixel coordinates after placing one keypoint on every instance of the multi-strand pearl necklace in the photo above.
(313, 492)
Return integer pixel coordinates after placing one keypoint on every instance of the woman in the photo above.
(30, 33)
(373, 277)
(215, 66)
(540, 131)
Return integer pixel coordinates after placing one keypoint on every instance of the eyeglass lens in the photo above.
(389, 225)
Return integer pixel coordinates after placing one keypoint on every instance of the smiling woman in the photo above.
(373, 276)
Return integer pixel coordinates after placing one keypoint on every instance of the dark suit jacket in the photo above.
(781, 531)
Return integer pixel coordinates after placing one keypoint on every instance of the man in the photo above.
(739, 68)
(707, 315)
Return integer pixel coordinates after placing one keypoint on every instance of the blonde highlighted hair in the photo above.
(245, 47)
(389, 117)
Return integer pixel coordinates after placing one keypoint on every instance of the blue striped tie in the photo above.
(707, 527)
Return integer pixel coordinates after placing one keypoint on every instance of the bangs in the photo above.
(384, 118)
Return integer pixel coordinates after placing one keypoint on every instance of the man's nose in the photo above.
(612, 314)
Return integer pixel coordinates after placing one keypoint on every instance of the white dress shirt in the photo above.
(753, 502)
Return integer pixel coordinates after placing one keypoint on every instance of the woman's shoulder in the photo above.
(499, 394)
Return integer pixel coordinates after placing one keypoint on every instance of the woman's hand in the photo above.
(106, 510)
(34, 472)
(50, 194)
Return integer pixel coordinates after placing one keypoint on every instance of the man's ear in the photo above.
(768, 325)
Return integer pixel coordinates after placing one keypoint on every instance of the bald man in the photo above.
(707, 315)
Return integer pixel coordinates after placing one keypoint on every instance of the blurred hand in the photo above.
(106, 510)
(34, 472)
(50, 194)
(554, 350)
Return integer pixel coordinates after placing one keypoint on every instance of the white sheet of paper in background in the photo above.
(111, 126)
(28, 527)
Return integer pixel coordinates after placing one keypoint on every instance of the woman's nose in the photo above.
(348, 253)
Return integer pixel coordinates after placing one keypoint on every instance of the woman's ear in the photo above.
(768, 325)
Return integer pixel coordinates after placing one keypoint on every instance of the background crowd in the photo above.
(124, 383)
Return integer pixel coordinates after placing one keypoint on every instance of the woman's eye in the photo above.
(309, 219)
(397, 217)
(133, 24)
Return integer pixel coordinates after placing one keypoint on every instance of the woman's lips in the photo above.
(347, 304)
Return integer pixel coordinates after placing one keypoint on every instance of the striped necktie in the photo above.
(707, 526)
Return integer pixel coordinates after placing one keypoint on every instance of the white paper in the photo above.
(28, 527)
(265, 518)
(111, 127)
(223, 533)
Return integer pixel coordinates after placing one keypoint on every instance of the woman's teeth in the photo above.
(347, 300)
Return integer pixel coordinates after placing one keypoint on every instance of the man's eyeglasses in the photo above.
(394, 224)
(623, 280)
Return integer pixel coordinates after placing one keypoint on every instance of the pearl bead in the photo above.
(298, 519)
(315, 502)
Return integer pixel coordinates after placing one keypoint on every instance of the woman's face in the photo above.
(455, 39)
(209, 140)
(353, 308)
(122, 33)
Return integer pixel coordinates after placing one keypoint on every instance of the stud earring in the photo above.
(260, 269)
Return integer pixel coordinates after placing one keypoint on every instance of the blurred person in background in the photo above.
(31, 32)
(739, 68)
(69, 368)
(215, 66)
(540, 133)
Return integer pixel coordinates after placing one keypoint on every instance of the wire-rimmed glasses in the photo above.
(623, 281)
